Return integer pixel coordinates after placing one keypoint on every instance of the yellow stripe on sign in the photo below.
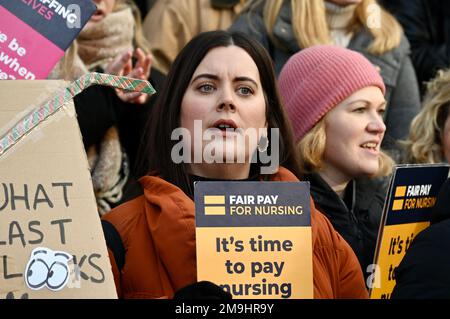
(215, 210)
(400, 191)
(214, 200)
(398, 204)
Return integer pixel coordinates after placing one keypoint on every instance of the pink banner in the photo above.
(24, 53)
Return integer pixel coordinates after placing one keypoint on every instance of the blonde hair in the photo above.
(424, 143)
(311, 150)
(67, 62)
(310, 26)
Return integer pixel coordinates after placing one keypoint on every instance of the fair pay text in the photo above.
(252, 200)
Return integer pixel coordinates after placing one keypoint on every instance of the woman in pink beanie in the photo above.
(285, 27)
(335, 101)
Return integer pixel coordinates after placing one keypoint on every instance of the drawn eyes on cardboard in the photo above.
(39, 274)
(47, 268)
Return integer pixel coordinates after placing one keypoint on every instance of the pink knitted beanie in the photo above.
(316, 79)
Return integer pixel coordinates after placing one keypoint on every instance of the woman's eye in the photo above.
(359, 110)
(381, 111)
(206, 88)
(245, 91)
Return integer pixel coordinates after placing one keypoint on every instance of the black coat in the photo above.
(98, 108)
(425, 270)
(427, 27)
(357, 217)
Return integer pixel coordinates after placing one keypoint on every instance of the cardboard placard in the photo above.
(254, 238)
(411, 197)
(34, 34)
(51, 240)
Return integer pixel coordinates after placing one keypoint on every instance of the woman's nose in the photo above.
(226, 101)
(376, 125)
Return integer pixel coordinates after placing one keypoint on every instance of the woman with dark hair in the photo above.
(222, 82)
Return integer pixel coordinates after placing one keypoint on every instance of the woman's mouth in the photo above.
(226, 126)
(98, 15)
(371, 147)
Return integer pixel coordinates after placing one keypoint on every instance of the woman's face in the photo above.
(226, 95)
(354, 131)
(104, 7)
(446, 138)
(344, 2)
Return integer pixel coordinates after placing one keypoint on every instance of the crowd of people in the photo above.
(353, 86)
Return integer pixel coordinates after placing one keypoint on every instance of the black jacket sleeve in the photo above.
(98, 108)
(423, 272)
(132, 118)
(95, 113)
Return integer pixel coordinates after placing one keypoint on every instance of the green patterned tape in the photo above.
(52, 105)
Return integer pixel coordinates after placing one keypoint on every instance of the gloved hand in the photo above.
(202, 290)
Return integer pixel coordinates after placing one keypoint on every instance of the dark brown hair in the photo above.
(155, 152)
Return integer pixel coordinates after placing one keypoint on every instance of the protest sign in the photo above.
(411, 196)
(51, 240)
(254, 238)
(35, 33)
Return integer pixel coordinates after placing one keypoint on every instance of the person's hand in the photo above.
(122, 66)
(202, 290)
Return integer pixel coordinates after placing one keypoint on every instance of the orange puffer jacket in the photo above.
(158, 233)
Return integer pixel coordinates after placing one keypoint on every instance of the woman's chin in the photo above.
(370, 170)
